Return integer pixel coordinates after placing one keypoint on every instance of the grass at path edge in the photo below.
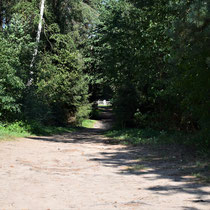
(135, 136)
(168, 144)
(24, 129)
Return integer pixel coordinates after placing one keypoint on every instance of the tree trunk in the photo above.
(1, 16)
(38, 32)
(37, 41)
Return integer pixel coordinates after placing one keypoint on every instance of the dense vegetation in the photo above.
(55, 88)
(155, 57)
(151, 58)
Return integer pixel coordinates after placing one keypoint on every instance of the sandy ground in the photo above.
(81, 171)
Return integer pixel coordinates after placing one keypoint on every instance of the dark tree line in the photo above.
(155, 57)
(150, 58)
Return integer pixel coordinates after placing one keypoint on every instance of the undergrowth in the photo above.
(192, 156)
(88, 123)
(17, 129)
(134, 136)
(23, 129)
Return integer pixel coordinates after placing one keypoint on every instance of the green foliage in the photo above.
(26, 129)
(10, 84)
(190, 55)
(131, 44)
(59, 90)
(154, 55)
(88, 123)
(61, 83)
(36, 128)
(29, 10)
(15, 46)
(16, 129)
(150, 58)
(136, 136)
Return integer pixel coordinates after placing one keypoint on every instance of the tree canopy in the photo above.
(150, 58)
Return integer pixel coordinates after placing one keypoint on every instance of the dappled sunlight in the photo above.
(146, 176)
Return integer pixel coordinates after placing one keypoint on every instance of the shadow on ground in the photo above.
(172, 162)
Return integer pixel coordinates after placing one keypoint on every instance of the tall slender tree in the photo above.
(42, 6)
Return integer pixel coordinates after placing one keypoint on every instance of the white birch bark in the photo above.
(37, 38)
(38, 32)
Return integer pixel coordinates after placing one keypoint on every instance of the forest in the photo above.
(150, 58)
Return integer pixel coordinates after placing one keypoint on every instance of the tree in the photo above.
(38, 32)
(61, 82)
(14, 60)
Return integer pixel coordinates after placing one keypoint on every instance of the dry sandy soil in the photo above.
(81, 171)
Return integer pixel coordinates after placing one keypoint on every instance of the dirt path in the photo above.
(80, 171)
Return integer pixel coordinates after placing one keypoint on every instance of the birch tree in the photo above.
(38, 33)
